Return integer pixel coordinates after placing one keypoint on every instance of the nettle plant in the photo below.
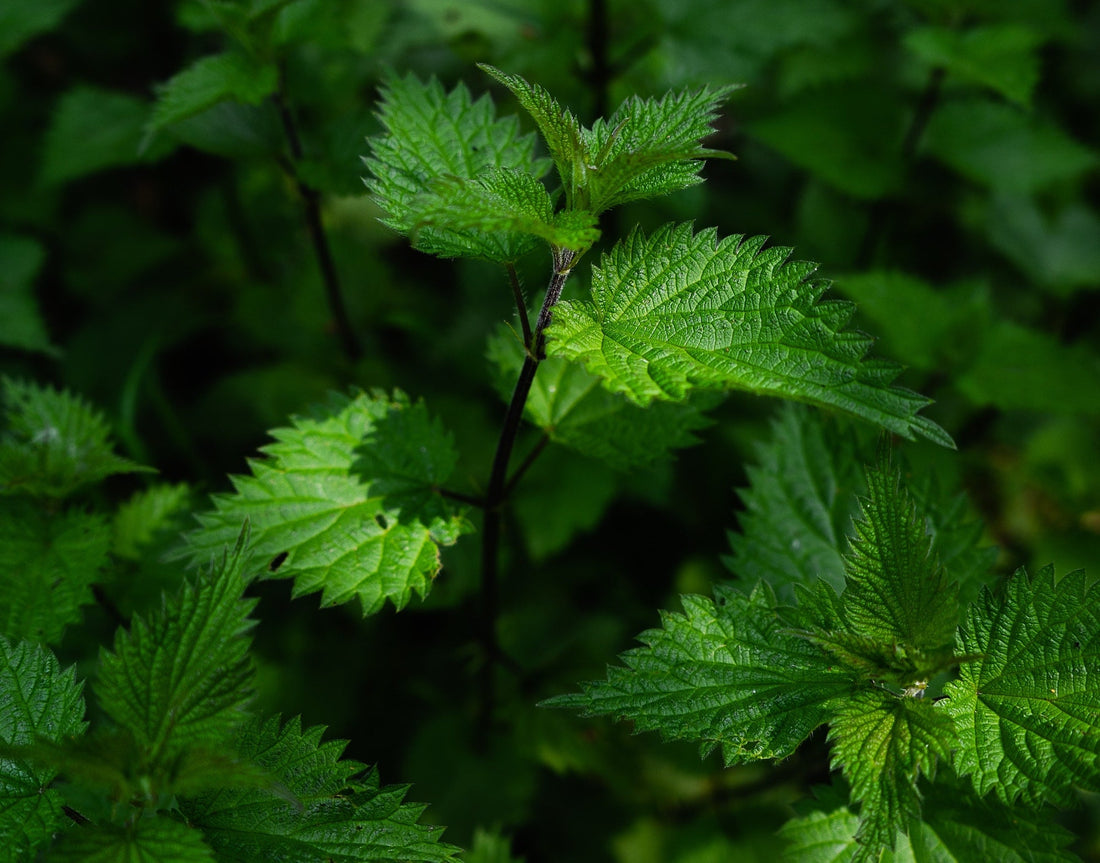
(957, 712)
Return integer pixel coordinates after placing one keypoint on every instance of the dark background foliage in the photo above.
(936, 157)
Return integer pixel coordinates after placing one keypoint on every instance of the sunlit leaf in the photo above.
(432, 136)
(726, 673)
(346, 500)
(678, 310)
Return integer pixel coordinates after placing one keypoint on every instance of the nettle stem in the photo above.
(499, 487)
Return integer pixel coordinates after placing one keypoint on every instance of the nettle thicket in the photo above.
(959, 712)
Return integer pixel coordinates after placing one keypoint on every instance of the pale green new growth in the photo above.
(342, 814)
(52, 442)
(725, 673)
(650, 147)
(896, 619)
(181, 677)
(48, 564)
(571, 407)
(647, 148)
(210, 80)
(1028, 711)
(799, 503)
(345, 502)
(37, 700)
(155, 840)
(561, 131)
(680, 310)
(433, 136)
(897, 591)
(883, 744)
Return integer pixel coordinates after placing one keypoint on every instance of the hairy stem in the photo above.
(499, 489)
(311, 201)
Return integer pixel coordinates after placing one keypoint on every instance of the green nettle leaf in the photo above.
(799, 503)
(52, 442)
(957, 826)
(341, 813)
(883, 743)
(647, 148)
(21, 324)
(48, 563)
(37, 700)
(148, 840)
(897, 590)
(727, 673)
(345, 502)
(432, 137)
(802, 496)
(211, 80)
(573, 409)
(1028, 711)
(679, 310)
(110, 765)
(954, 828)
(958, 535)
(895, 622)
(502, 200)
(822, 836)
(884, 662)
(650, 147)
(563, 134)
(181, 677)
(1002, 57)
